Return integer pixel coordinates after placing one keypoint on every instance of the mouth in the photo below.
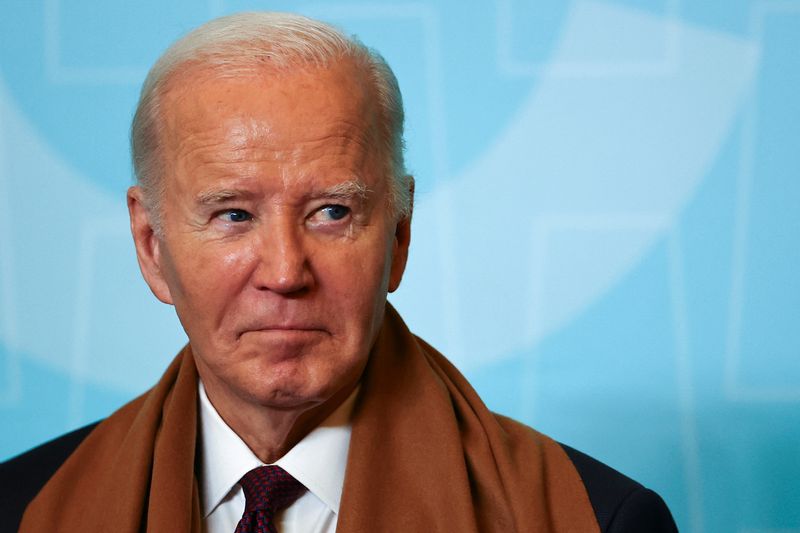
(285, 330)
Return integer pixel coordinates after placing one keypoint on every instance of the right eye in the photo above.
(235, 215)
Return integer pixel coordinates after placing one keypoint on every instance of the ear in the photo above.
(148, 245)
(402, 240)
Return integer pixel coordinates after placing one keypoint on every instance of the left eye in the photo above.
(335, 212)
(235, 215)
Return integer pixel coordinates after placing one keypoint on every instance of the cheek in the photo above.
(208, 277)
(357, 279)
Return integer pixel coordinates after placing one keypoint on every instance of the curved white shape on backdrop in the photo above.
(620, 128)
(73, 298)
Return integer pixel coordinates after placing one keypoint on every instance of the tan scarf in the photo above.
(426, 455)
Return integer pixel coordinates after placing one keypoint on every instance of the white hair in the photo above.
(242, 42)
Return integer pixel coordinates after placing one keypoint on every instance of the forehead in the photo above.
(339, 78)
(266, 114)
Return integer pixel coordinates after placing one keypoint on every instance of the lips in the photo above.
(284, 327)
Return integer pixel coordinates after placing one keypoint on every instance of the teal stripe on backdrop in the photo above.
(605, 237)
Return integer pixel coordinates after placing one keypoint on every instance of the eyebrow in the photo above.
(348, 189)
(220, 196)
(353, 188)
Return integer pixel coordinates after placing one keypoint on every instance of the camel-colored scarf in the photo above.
(426, 455)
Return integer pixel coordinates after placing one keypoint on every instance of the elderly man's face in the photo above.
(277, 248)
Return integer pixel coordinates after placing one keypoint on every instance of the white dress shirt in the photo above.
(318, 461)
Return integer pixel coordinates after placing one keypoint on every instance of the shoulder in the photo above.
(620, 503)
(23, 476)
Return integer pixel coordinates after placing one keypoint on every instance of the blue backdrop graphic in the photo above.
(605, 235)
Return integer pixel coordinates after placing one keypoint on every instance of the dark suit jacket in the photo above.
(621, 505)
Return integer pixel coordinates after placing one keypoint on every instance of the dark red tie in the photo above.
(267, 491)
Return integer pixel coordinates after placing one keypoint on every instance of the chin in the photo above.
(288, 384)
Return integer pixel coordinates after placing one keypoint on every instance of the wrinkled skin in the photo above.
(278, 247)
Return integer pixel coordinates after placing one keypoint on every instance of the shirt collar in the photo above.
(318, 461)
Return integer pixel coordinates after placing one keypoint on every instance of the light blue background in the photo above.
(605, 236)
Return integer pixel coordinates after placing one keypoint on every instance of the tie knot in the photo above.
(270, 489)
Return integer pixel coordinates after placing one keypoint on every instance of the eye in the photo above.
(235, 215)
(335, 212)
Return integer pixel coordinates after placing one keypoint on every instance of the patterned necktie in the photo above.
(267, 491)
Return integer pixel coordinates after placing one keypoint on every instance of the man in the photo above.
(272, 209)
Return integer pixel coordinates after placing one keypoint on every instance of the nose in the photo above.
(283, 265)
